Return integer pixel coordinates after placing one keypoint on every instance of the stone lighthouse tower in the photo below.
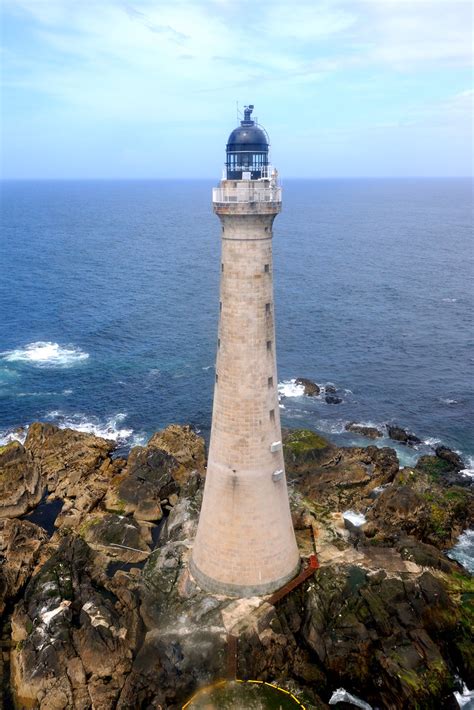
(245, 543)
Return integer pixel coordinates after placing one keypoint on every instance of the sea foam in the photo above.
(110, 428)
(463, 550)
(9, 435)
(465, 698)
(46, 354)
(356, 519)
(289, 388)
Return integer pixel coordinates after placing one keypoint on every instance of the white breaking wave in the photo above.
(46, 354)
(356, 519)
(289, 388)
(326, 426)
(447, 400)
(9, 435)
(463, 550)
(342, 696)
(449, 300)
(432, 441)
(465, 699)
(109, 429)
(468, 472)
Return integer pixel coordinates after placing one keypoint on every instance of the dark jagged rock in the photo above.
(75, 634)
(185, 446)
(404, 437)
(311, 389)
(20, 544)
(368, 431)
(380, 635)
(156, 472)
(342, 477)
(21, 486)
(333, 399)
(418, 505)
(330, 389)
(74, 466)
(450, 456)
(386, 616)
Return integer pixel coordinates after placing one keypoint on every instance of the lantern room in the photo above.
(247, 150)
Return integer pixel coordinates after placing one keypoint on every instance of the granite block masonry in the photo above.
(245, 543)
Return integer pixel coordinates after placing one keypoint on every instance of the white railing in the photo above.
(246, 192)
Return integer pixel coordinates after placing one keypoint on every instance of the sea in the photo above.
(109, 296)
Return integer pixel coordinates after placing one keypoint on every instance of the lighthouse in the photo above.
(245, 543)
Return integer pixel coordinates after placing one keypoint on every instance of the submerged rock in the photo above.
(404, 437)
(333, 399)
(369, 431)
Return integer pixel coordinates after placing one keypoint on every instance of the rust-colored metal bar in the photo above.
(231, 657)
(303, 575)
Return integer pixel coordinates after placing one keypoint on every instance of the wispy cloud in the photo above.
(338, 64)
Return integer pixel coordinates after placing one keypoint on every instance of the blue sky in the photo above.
(144, 88)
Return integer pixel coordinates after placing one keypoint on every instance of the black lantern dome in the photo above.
(247, 150)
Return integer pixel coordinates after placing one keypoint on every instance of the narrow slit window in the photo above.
(267, 308)
(220, 305)
(269, 346)
(270, 381)
(222, 266)
(272, 415)
(217, 378)
(267, 268)
(218, 342)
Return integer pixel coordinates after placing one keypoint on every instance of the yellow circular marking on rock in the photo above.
(221, 683)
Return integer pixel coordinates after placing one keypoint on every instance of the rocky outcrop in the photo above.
(20, 544)
(368, 431)
(404, 437)
(185, 446)
(386, 615)
(386, 637)
(450, 456)
(118, 536)
(21, 486)
(74, 466)
(155, 473)
(341, 477)
(75, 634)
(146, 483)
(311, 389)
(332, 399)
(419, 504)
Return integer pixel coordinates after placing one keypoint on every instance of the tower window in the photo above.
(272, 415)
(269, 346)
(217, 378)
(218, 342)
(222, 266)
(267, 308)
(267, 268)
(220, 305)
(270, 381)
